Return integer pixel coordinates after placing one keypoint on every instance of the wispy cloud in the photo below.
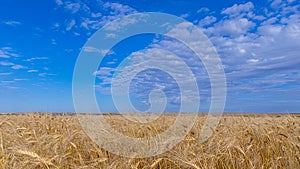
(36, 58)
(92, 18)
(95, 50)
(5, 73)
(70, 25)
(72, 7)
(9, 84)
(19, 79)
(32, 71)
(3, 63)
(53, 41)
(12, 65)
(203, 10)
(7, 52)
(118, 9)
(59, 2)
(91, 49)
(12, 23)
(44, 74)
(12, 84)
(17, 67)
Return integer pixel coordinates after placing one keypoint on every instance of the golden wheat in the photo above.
(37, 140)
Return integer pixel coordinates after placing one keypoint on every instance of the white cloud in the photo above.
(56, 27)
(94, 18)
(254, 46)
(110, 35)
(17, 67)
(32, 71)
(76, 34)
(185, 15)
(3, 55)
(88, 24)
(107, 52)
(207, 21)
(257, 52)
(36, 58)
(70, 25)
(154, 79)
(3, 63)
(119, 25)
(276, 3)
(5, 73)
(231, 27)
(53, 41)
(59, 2)
(19, 79)
(237, 10)
(242, 11)
(12, 23)
(104, 72)
(8, 52)
(7, 82)
(165, 73)
(45, 74)
(73, 7)
(270, 30)
(42, 74)
(203, 10)
(118, 9)
(91, 49)
(96, 15)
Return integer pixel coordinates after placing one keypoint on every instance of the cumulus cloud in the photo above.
(207, 21)
(232, 27)
(238, 9)
(259, 48)
(258, 55)
(258, 51)
(152, 70)
(165, 65)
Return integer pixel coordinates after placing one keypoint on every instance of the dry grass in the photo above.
(241, 141)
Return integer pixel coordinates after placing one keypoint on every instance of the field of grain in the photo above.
(37, 140)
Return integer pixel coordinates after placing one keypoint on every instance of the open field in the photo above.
(37, 140)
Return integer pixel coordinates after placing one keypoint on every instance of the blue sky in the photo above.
(258, 43)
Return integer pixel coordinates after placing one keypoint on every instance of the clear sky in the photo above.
(258, 43)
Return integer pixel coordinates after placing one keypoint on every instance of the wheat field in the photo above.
(44, 140)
